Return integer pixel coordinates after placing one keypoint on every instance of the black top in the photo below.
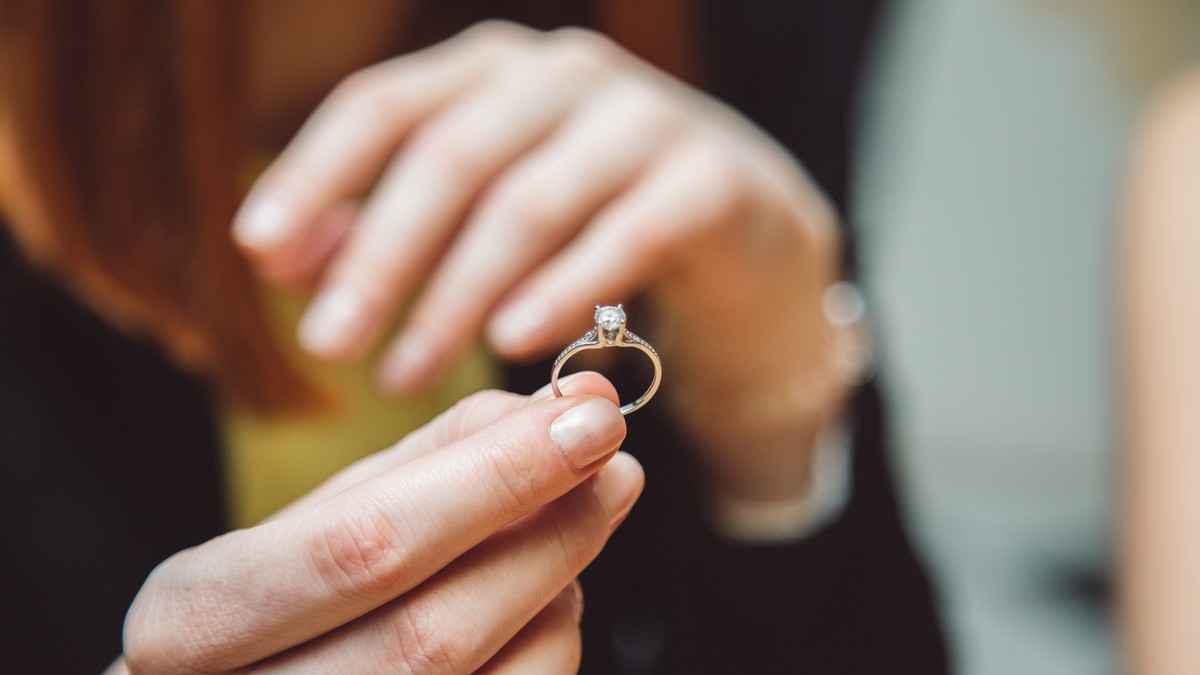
(109, 455)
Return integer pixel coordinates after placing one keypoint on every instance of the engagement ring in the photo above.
(610, 332)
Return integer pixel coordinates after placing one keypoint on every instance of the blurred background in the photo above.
(989, 189)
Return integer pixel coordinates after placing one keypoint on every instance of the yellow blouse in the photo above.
(270, 462)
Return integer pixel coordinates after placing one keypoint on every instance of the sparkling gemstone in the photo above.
(610, 318)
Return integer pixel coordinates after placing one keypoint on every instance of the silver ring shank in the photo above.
(597, 340)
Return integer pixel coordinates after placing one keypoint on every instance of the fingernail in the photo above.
(406, 364)
(331, 320)
(519, 323)
(262, 222)
(617, 487)
(588, 431)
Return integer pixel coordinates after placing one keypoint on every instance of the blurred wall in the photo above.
(988, 187)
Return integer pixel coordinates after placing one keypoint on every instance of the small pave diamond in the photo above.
(610, 318)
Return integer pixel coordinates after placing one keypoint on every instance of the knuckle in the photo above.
(518, 483)
(529, 208)
(537, 219)
(454, 152)
(577, 52)
(361, 91)
(717, 178)
(711, 164)
(576, 533)
(584, 41)
(648, 104)
(650, 245)
(428, 638)
(358, 85)
(462, 418)
(365, 96)
(362, 555)
(497, 32)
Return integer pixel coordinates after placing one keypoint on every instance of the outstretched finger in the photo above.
(351, 136)
(691, 191)
(534, 207)
(426, 192)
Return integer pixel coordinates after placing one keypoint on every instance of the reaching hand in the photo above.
(515, 178)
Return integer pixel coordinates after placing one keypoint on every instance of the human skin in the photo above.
(518, 178)
(514, 179)
(454, 551)
(1160, 553)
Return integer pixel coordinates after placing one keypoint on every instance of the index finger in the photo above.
(463, 419)
(250, 594)
(352, 134)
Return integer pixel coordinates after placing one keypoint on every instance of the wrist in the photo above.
(792, 518)
(755, 421)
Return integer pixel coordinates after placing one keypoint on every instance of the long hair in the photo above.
(120, 176)
(120, 154)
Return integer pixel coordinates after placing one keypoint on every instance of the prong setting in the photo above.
(610, 321)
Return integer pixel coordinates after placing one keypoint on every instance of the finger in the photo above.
(314, 251)
(459, 619)
(692, 191)
(550, 644)
(251, 593)
(466, 417)
(534, 208)
(426, 192)
(348, 139)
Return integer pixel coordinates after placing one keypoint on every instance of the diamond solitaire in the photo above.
(610, 332)
(610, 318)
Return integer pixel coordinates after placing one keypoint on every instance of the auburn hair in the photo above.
(120, 164)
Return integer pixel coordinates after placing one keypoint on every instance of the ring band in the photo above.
(610, 332)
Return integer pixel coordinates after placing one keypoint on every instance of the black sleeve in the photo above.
(795, 69)
(668, 595)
